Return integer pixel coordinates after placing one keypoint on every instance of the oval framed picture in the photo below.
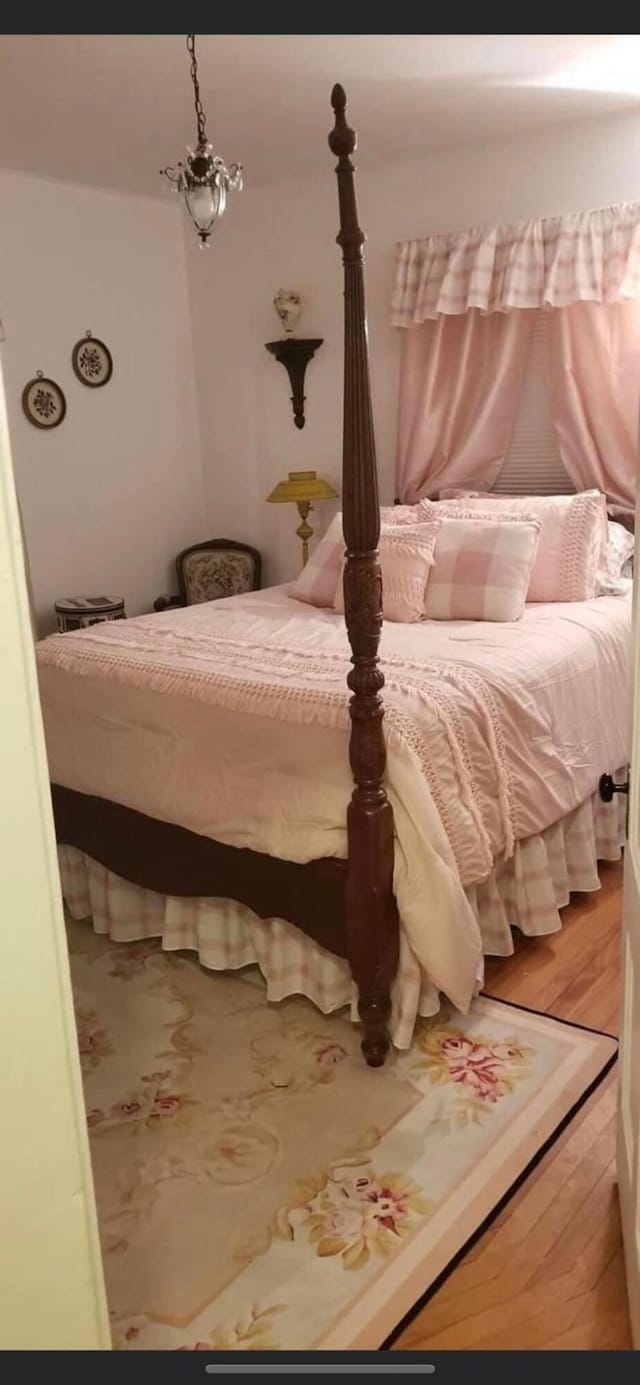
(43, 402)
(92, 362)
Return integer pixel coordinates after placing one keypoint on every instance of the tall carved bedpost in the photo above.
(372, 919)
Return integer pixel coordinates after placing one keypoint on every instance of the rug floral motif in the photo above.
(258, 1187)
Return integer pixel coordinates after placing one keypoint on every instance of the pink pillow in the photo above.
(317, 582)
(406, 559)
(482, 569)
(572, 544)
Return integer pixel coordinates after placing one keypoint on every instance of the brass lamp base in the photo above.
(304, 530)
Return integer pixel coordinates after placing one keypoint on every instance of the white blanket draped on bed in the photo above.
(231, 719)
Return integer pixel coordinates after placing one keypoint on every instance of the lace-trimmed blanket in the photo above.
(444, 715)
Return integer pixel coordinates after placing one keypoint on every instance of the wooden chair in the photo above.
(206, 571)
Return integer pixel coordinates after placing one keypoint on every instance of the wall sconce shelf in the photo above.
(294, 353)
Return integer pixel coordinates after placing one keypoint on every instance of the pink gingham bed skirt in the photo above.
(525, 892)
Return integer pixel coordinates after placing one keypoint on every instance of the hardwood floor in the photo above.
(548, 1273)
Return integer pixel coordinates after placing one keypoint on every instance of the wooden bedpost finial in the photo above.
(342, 140)
(371, 914)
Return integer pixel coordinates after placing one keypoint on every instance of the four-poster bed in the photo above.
(348, 907)
(199, 762)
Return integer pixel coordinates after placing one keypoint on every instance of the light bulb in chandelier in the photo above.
(204, 179)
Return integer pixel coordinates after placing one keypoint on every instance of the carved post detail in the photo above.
(372, 919)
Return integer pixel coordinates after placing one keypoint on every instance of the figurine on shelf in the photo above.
(287, 304)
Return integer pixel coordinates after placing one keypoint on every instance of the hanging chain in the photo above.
(200, 115)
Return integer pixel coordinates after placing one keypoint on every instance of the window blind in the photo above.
(533, 465)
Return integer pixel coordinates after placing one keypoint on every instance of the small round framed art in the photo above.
(92, 361)
(43, 402)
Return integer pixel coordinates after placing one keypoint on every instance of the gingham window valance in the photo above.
(587, 257)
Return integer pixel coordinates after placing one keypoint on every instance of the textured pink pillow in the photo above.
(317, 582)
(406, 559)
(573, 538)
(482, 569)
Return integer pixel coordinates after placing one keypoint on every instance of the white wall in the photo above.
(110, 496)
(284, 236)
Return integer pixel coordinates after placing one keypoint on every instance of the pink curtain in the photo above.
(594, 353)
(460, 383)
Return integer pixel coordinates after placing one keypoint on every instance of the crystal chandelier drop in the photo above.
(204, 179)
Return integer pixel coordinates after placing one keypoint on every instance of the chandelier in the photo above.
(204, 179)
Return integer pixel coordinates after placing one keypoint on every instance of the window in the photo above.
(533, 465)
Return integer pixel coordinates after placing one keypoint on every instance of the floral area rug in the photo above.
(260, 1188)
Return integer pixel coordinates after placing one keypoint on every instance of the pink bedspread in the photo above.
(231, 719)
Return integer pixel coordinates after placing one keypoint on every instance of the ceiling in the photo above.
(109, 110)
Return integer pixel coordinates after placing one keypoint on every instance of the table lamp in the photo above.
(301, 489)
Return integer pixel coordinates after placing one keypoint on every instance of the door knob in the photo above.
(607, 787)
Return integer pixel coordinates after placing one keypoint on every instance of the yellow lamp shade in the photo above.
(302, 485)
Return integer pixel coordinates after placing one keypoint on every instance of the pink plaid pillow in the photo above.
(482, 569)
(406, 559)
(317, 582)
(573, 540)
